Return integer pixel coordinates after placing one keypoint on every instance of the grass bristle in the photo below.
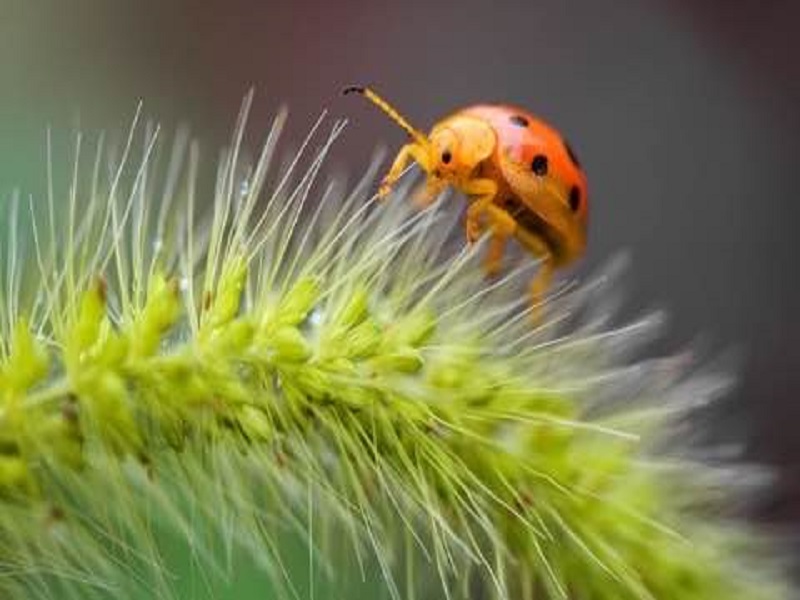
(290, 356)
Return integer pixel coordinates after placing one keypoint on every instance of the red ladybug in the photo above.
(523, 179)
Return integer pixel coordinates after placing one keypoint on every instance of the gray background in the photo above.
(684, 113)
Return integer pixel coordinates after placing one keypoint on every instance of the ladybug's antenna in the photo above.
(388, 109)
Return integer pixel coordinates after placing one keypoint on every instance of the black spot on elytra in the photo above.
(574, 198)
(571, 153)
(518, 120)
(539, 165)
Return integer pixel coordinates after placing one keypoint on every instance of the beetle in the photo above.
(523, 179)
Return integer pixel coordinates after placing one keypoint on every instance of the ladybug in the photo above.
(522, 177)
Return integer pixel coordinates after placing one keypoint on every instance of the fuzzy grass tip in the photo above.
(277, 354)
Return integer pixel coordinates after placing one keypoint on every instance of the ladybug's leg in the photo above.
(502, 224)
(540, 284)
(475, 226)
(409, 151)
(483, 192)
(544, 276)
(428, 192)
(503, 227)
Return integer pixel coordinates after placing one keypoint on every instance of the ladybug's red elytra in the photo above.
(523, 179)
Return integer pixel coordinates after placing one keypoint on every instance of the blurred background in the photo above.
(685, 114)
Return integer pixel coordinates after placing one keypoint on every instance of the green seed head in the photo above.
(272, 357)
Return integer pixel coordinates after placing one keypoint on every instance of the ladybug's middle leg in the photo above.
(409, 151)
(483, 192)
(502, 225)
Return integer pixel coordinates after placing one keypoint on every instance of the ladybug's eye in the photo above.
(447, 157)
(539, 165)
(574, 198)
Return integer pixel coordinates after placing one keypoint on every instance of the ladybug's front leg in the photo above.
(407, 152)
(429, 192)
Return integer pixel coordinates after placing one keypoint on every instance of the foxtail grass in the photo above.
(277, 353)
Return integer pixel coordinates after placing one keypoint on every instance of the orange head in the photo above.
(457, 145)
(453, 149)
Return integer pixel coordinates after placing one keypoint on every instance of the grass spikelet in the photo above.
(287, 356)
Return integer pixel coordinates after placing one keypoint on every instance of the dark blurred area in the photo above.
(685, 113)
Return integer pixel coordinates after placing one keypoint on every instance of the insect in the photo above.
(523, 180)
